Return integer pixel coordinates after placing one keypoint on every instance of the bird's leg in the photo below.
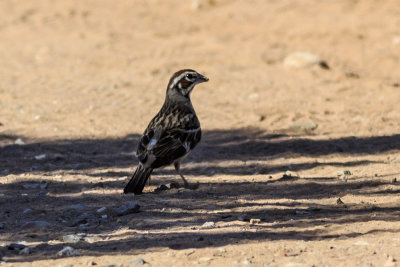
(177, 165)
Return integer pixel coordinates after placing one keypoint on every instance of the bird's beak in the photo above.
(201, 78)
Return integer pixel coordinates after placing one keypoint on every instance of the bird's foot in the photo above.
(191, 186)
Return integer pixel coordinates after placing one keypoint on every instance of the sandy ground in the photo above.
(79, 81)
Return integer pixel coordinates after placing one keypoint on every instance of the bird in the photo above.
(171, 134)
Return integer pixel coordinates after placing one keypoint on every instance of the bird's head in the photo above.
(183, 82)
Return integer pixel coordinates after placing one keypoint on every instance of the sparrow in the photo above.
(171, 134)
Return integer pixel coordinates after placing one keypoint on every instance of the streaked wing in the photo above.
(167, 146)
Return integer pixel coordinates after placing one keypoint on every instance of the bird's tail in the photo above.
(138, 180)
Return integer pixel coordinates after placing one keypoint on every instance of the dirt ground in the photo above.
(297, 166)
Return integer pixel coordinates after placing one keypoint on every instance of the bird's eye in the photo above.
(190, 76)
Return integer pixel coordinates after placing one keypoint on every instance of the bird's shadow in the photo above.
(174, 218)
(217, 146)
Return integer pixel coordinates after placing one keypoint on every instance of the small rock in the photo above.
(71, 238)
(190, 252)
(104, 216)
(77, 207)
(27, 211)
(339, 202)
(2, 224)
(222, 249)
(361, 243)
(304, 126)
(137, 262)
(208, 225)
(131, 207)
(141, 237)
(344, 174)
(93, 239)
(255, 221)
(162, 187)
(19, 141)
(41, 156)
(68, 251)
(16, 246)
(37, 224)
(394, 180)
(100, 210)
(303, 60)
(90, 263)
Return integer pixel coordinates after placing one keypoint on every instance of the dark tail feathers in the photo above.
(138, 180)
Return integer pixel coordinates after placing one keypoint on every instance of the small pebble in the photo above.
(339, 202)
(306, 126)
(137, 262)
(303, 60)
(104, 216)
(93, 239)
(71, 238)
(41, 156)
(19, 141)
(100, 210)
(255, 221)
(208, 224)
(27, 211)
(68, 251)
(90, 263)
(130, 208)
(344, 174)
(24, 251)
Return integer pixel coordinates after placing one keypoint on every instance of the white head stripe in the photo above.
(177, 79)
